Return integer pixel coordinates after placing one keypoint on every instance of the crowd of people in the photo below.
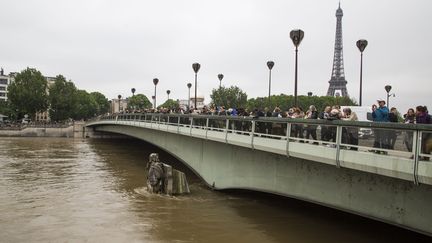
(384, 139)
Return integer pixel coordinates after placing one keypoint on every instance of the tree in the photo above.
(102, 102)
(287, 101)
(170, 104)
(232, 97)
(7, 110)
(139, 101)
(86, 106)
(62, 98)
(28, 93)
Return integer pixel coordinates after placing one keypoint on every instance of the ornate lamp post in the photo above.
(155, 82)
(361, 45)
(196, 67)
(388, 89)
(270, 65)
(189, 85)
(296, 37)
(168, 93)
(119, 99)
(220, 77)
(133, 94)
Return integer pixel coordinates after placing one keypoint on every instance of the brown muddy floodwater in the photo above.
(66, 190)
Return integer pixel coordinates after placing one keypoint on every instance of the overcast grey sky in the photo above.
(111, 46)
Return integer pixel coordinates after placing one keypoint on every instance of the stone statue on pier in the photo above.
(156, 174)
(163, 179)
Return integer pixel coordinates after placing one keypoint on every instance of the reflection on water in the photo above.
(55, 190)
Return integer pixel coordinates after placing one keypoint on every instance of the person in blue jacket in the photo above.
(380, 114)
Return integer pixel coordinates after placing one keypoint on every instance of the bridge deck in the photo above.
(396, 163)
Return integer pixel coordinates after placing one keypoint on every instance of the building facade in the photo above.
(5, 80)
(118, 105)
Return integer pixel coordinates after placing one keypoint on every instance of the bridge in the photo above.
(266, 154)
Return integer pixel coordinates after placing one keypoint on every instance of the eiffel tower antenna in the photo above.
(337, 81)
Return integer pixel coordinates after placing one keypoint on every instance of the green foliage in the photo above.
(232, 97)
(102, 102)
(287, 101)
(86, 107)
(170, 104)
(62, 98)
(28, 93)
(7, 110)
(139, 101)
(399, 116)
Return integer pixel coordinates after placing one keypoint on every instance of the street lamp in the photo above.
(168, 93)
(387, 89)
(196, 67)
(270, 65)
(119, 98)
(189, 85)
(133, 94)
(309, 94)
(155, 82)
(220, 77)
(296, 37)
(361, 45)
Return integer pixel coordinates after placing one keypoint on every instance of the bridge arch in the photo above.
(126, 131)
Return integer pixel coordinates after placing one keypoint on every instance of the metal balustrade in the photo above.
(407, 141)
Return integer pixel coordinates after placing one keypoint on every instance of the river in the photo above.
(73, 190)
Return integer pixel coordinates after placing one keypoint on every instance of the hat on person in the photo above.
(381, 100)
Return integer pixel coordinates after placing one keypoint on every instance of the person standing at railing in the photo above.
(392, 135)
(236, 124)
(350, 134)
(409, 118)
(296, 128)
(335, 114)
(325, 129)
(214, 112)
(276, 128)
(311, 130)
(222, 112)
(267, 125)
(380, 113)
(423, 117)
(244, 125)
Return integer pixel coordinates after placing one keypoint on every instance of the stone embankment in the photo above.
(73, 130)
(41, 130)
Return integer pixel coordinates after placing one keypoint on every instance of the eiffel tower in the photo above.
(337, 81)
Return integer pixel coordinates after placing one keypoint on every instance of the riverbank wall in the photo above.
(75, 130)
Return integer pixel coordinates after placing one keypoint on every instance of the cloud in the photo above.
(112, 46)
